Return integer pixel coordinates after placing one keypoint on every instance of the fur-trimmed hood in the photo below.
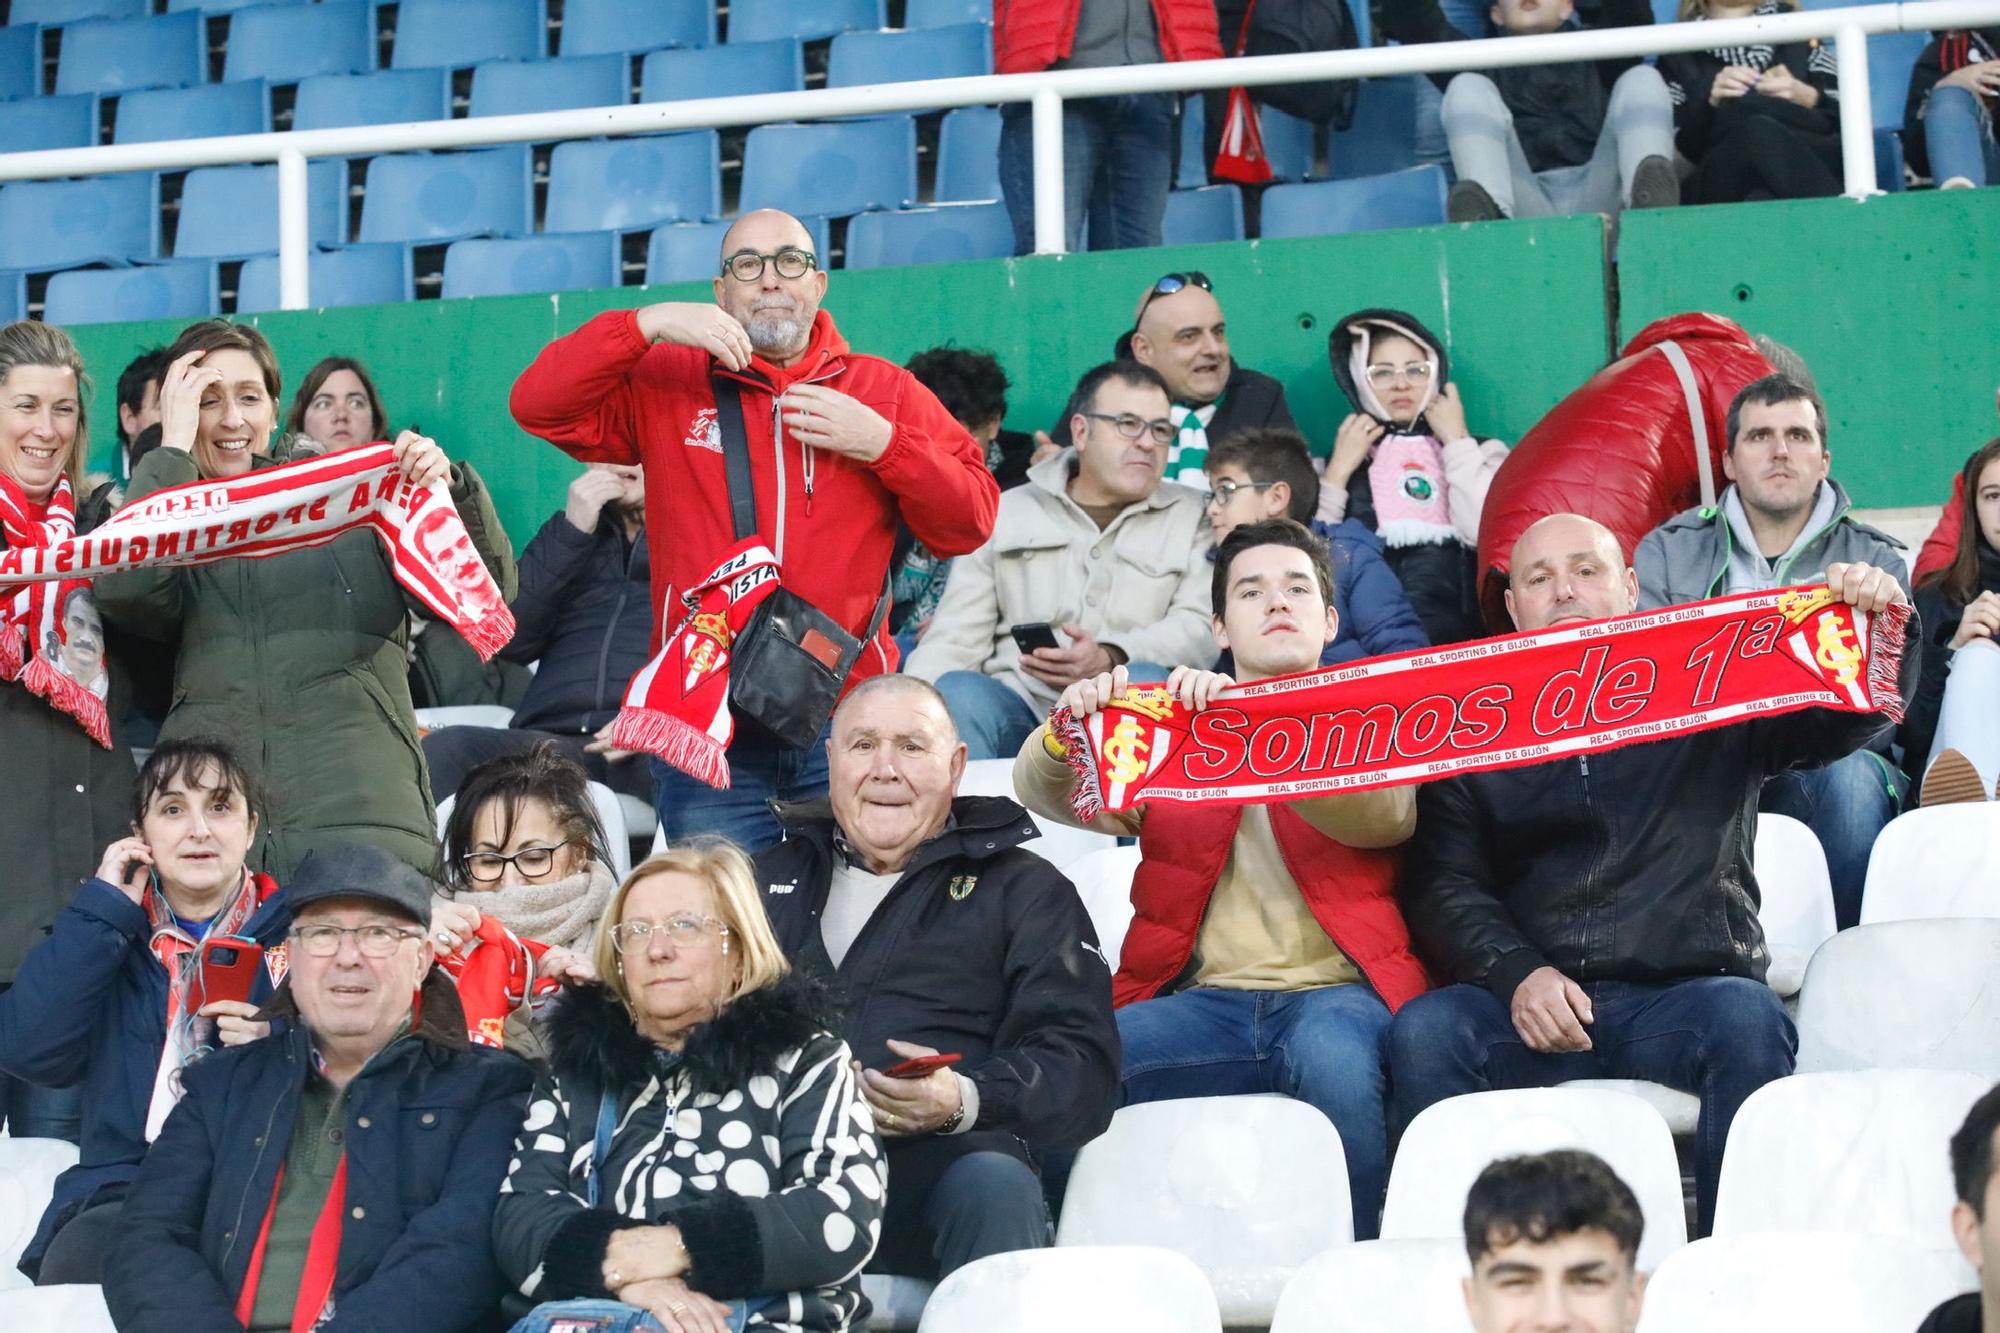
(592, 1038)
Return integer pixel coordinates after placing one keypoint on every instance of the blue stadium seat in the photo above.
(596, 27)
(1288, 142)
(692, 251)
(457, 33)
(176, 289)
(231, 212)
(69, 11)
(1413, 198)
(1892, 57)
(13, 297)
(428, 198)
(119, 55)
(623, 184)
(550, 263)
(1889, 161)
(723, 71)
(516, 87)
(836, 170)
(60, 224)
(1666, 11)
(945, 234)
(944, 13)
(49, 122)
(762, 20)
(193, 113)
(226, 6)
(1383, 135)
(861, 58)
(20, 62)
(356, 275)
(1212, 213)
(285, 43)
(968, 161)
(385, 97)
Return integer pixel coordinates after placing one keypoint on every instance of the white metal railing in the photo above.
(1045, 93)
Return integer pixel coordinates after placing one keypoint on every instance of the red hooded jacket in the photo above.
(603, 394)
(1031, 35)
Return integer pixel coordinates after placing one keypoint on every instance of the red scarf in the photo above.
(35, 617)
(322, 1256)
(677, 707)
(495, 972)
(1497, 703)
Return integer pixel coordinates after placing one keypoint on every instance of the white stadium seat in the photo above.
(1797, 911)
(28, 1171)
(1904, 995)
(55, 1310)
(1103, 880)
(1379, 1286)
(1818, 1282)
(1943, 860)
(1681, 1110)
(1450, 1142)
(465, 715)
(1059, 844)
(1248, 1188)
(897, 1303)
(1082, 1290)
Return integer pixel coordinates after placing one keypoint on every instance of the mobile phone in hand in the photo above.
(229, 966)
(1040, 634)
(923, 1064)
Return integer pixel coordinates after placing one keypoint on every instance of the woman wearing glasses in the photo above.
(698, 1101)
(527, 876)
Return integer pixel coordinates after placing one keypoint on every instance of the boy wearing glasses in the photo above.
(345, 1166)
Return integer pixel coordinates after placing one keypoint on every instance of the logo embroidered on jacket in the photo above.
(780, 888)
(276, 963)
(704, 433)
(961, 887)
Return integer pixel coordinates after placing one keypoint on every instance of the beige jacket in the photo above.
(1141, 584)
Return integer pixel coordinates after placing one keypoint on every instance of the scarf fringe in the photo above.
(489, 633)
(12, 658)
(673, 741)
(44, 680)
(1887, 631)
(1086, 798)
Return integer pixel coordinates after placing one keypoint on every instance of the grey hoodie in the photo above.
(1689, 557)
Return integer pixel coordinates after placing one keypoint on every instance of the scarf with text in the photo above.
(51, 639)
(1494, 703)
(677, 707)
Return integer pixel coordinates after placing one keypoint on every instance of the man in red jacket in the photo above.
(844, 448)
(1266, 950)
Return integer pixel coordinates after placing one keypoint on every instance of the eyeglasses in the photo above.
(1225, 491)
(532, 862)
(748, 265)
(1416, 372)
(1132, 427)
(1167, 286)
(373, 941)
(687, 932)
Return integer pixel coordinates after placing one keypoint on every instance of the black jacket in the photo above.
(585, 610)
(981, 948)
(1691, 74)
(1939, 616)
(1250, 398)
(1960, 1314)
(1628, 865)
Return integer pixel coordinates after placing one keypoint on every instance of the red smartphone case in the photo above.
(229, 968)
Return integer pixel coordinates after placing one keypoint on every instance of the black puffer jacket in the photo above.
(1940, 616)
(585, 611)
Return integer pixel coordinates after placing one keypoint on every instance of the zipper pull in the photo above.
(1584, 760)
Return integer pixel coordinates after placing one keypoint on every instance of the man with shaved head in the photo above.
(843, 450)
(946, 937)
(1596, 916)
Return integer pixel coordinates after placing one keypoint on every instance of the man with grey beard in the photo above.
(844, 449)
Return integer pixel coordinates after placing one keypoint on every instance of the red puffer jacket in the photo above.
(603, 394)
(1030, 35)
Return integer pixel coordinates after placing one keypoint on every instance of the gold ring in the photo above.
(677, 1309)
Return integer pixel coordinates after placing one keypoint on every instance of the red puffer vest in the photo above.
(1183, 848)
(1030, 35)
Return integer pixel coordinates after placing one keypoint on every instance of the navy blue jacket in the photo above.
(430, 1126)
(585, 611)
(89, 1007)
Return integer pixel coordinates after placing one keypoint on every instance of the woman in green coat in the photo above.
(297, 660)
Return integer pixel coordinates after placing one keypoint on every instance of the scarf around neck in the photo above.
(562, 913)
(51, 637)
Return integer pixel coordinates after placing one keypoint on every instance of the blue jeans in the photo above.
(1845, 804)
(585, 1316)
(1720, 1038)
(760, 771)
(1959, 136)
(30, 1111)
(1326, 1047)
(991, 718)
(1117, 168)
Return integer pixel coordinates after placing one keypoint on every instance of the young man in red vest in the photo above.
(1266, 951)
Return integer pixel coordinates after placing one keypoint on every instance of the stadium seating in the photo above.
(1797, 908)
(518, 87)
(383, 97)
(861, 58)
(173, 289)
(1891, 58)
(120, 55)
(1103, 879)
(1450, 1142)
(20, 63)
(968, 154)
(1378, 1286)
(1411, 198)
(59, 224)
(1903, 994)
(763, 20)
(232, 212)
(69, 11)
(1943, 860)
(457, 33)
(621, 184)
(1212, 213)
(193, 113)
(285, 43)
(599, 27)
(692, 252)
(1383, 135)
(354, 275)
(28, 1171)
(736, 70)
(1681, 1110)
(1094, 1289)
(898, 1302)
(1059, 844)
(49, 122)
(944, 13)
(943, 233)
(1819, 1281)
(463, 715)
(833, 169)
(426, 197)
(226, 6)
(1288, 143)
(551, 263)
(13, 297)
(71, 1309)
(1249, 1188)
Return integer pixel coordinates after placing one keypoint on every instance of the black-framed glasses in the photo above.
(689, 930)
(748, 265)
(532, 862)
(1168, 285)
(1225, 491)
(321, 941)
(1132, 427)
(1414, 372)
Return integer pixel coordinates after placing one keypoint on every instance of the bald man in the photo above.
(1597, 915)
(842, 450)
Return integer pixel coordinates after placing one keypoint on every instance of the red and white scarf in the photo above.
(35, 647)
(1496, 703)
(677, 707)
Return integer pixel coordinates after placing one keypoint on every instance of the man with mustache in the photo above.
(1782, 521)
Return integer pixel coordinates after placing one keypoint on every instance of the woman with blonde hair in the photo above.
(699, 1157)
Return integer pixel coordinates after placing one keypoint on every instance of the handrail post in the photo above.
(1051, 229)
(294, 239)
(1857, 113)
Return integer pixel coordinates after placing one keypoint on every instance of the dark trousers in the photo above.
(953, 1199)
(77, 1252)
(1764, 149)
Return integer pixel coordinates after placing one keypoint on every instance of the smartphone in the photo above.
(229, 968)
(923, 1064)
(1041, 634)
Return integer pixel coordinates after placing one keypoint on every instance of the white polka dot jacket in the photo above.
(756, 1143)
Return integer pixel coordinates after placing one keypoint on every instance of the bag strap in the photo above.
(735, 454)
(1697, 416)
(1243, 33)
(600, 1148)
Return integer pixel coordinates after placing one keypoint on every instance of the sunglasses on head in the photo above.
(1167, 286)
